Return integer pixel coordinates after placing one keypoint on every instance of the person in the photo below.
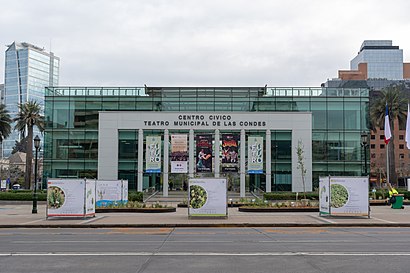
(392, 193)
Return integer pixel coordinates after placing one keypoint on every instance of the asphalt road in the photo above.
(205, 250)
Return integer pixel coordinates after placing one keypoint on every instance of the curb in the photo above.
(193, 225)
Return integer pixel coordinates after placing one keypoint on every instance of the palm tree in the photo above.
(29, 116)
(5, 120)
(396, 101)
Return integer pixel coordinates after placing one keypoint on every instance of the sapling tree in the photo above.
(301, 164)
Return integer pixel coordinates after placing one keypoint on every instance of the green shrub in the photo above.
(136, 196)
(22, 196)
(289, 196)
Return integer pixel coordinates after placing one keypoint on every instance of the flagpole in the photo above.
(387, 160)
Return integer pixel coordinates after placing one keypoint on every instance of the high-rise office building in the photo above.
(28, 70)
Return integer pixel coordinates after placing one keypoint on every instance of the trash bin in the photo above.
(399, 202)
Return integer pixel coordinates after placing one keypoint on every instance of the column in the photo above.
(166, 163)
(217, 153)
(242, 170)
(191, 160)
(268, 162)
(140, 159)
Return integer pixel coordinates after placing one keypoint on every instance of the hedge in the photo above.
(289, 195)
(42, 196)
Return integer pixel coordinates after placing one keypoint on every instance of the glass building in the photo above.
(384, 61)
(93, 132)
(28, 70)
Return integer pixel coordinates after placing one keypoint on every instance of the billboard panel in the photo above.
(207, 197)
(255, 155)
(203, 153)
(153, 154)
(230, 152)
(179, 153)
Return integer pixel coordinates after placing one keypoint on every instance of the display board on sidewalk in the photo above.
(111, 191)
(207, 198)
(70, 197)
(345, 196)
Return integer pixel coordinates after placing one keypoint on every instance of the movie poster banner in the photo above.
(255, 155)
(207, 197)
(179, 153)
(203, 153)
(230, 152)
(153, 154)
(70, 197)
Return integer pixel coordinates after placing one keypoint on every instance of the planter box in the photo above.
(284, 209)
(137, 210)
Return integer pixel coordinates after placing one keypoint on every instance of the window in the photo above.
(401, 137)
(372, 146)
(381, 137)
(381, 146)
(401, 156)
(373, 137)
(401, 146)
(373, 155)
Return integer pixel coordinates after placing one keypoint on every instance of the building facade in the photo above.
(106, 133)
(28, 70)
(377, 66)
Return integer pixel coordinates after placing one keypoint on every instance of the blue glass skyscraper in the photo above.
(28, 70)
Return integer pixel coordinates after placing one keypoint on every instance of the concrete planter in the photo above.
(137, 210)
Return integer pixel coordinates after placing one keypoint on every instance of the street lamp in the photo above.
(364, 138)
(37, 146)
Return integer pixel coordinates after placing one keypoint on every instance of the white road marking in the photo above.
(31, 222)
(382, 220)
(209, 254)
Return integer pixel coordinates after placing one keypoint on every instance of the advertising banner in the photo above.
(349, 196)
(324, 195)
(66, 197)
(153, 154)
(179, 153)
(207, 197)
(109, 192)
(255, 155)
(3, 184)
(230, 152)
(345, 196)
(203, 153)
(89, 197)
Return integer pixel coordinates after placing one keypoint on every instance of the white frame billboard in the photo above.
(207, 197)
(347, 196)
(70, 197)
(111, 191)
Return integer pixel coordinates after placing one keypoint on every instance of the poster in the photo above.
(70, 197)
(179, 153)
(3, 184)
(207, 197)
(203, 153)
(230, 152)
(324, 195)
(89, 197)
(153, 154)
(255, 155)
(345, 196)
(109, 192)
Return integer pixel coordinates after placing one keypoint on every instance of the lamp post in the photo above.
(37, 146)
(364, 138)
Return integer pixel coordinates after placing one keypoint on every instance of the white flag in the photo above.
(408, 127)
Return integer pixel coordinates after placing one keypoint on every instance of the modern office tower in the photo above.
(2, 93)
(29, 69)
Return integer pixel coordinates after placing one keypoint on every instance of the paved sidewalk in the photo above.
(18, 215)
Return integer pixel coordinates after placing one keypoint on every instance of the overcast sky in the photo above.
(202, 43)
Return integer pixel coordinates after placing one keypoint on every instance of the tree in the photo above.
(301, 164)
(29, 115)
(5, 120)
(20, 146)
(396, 101)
